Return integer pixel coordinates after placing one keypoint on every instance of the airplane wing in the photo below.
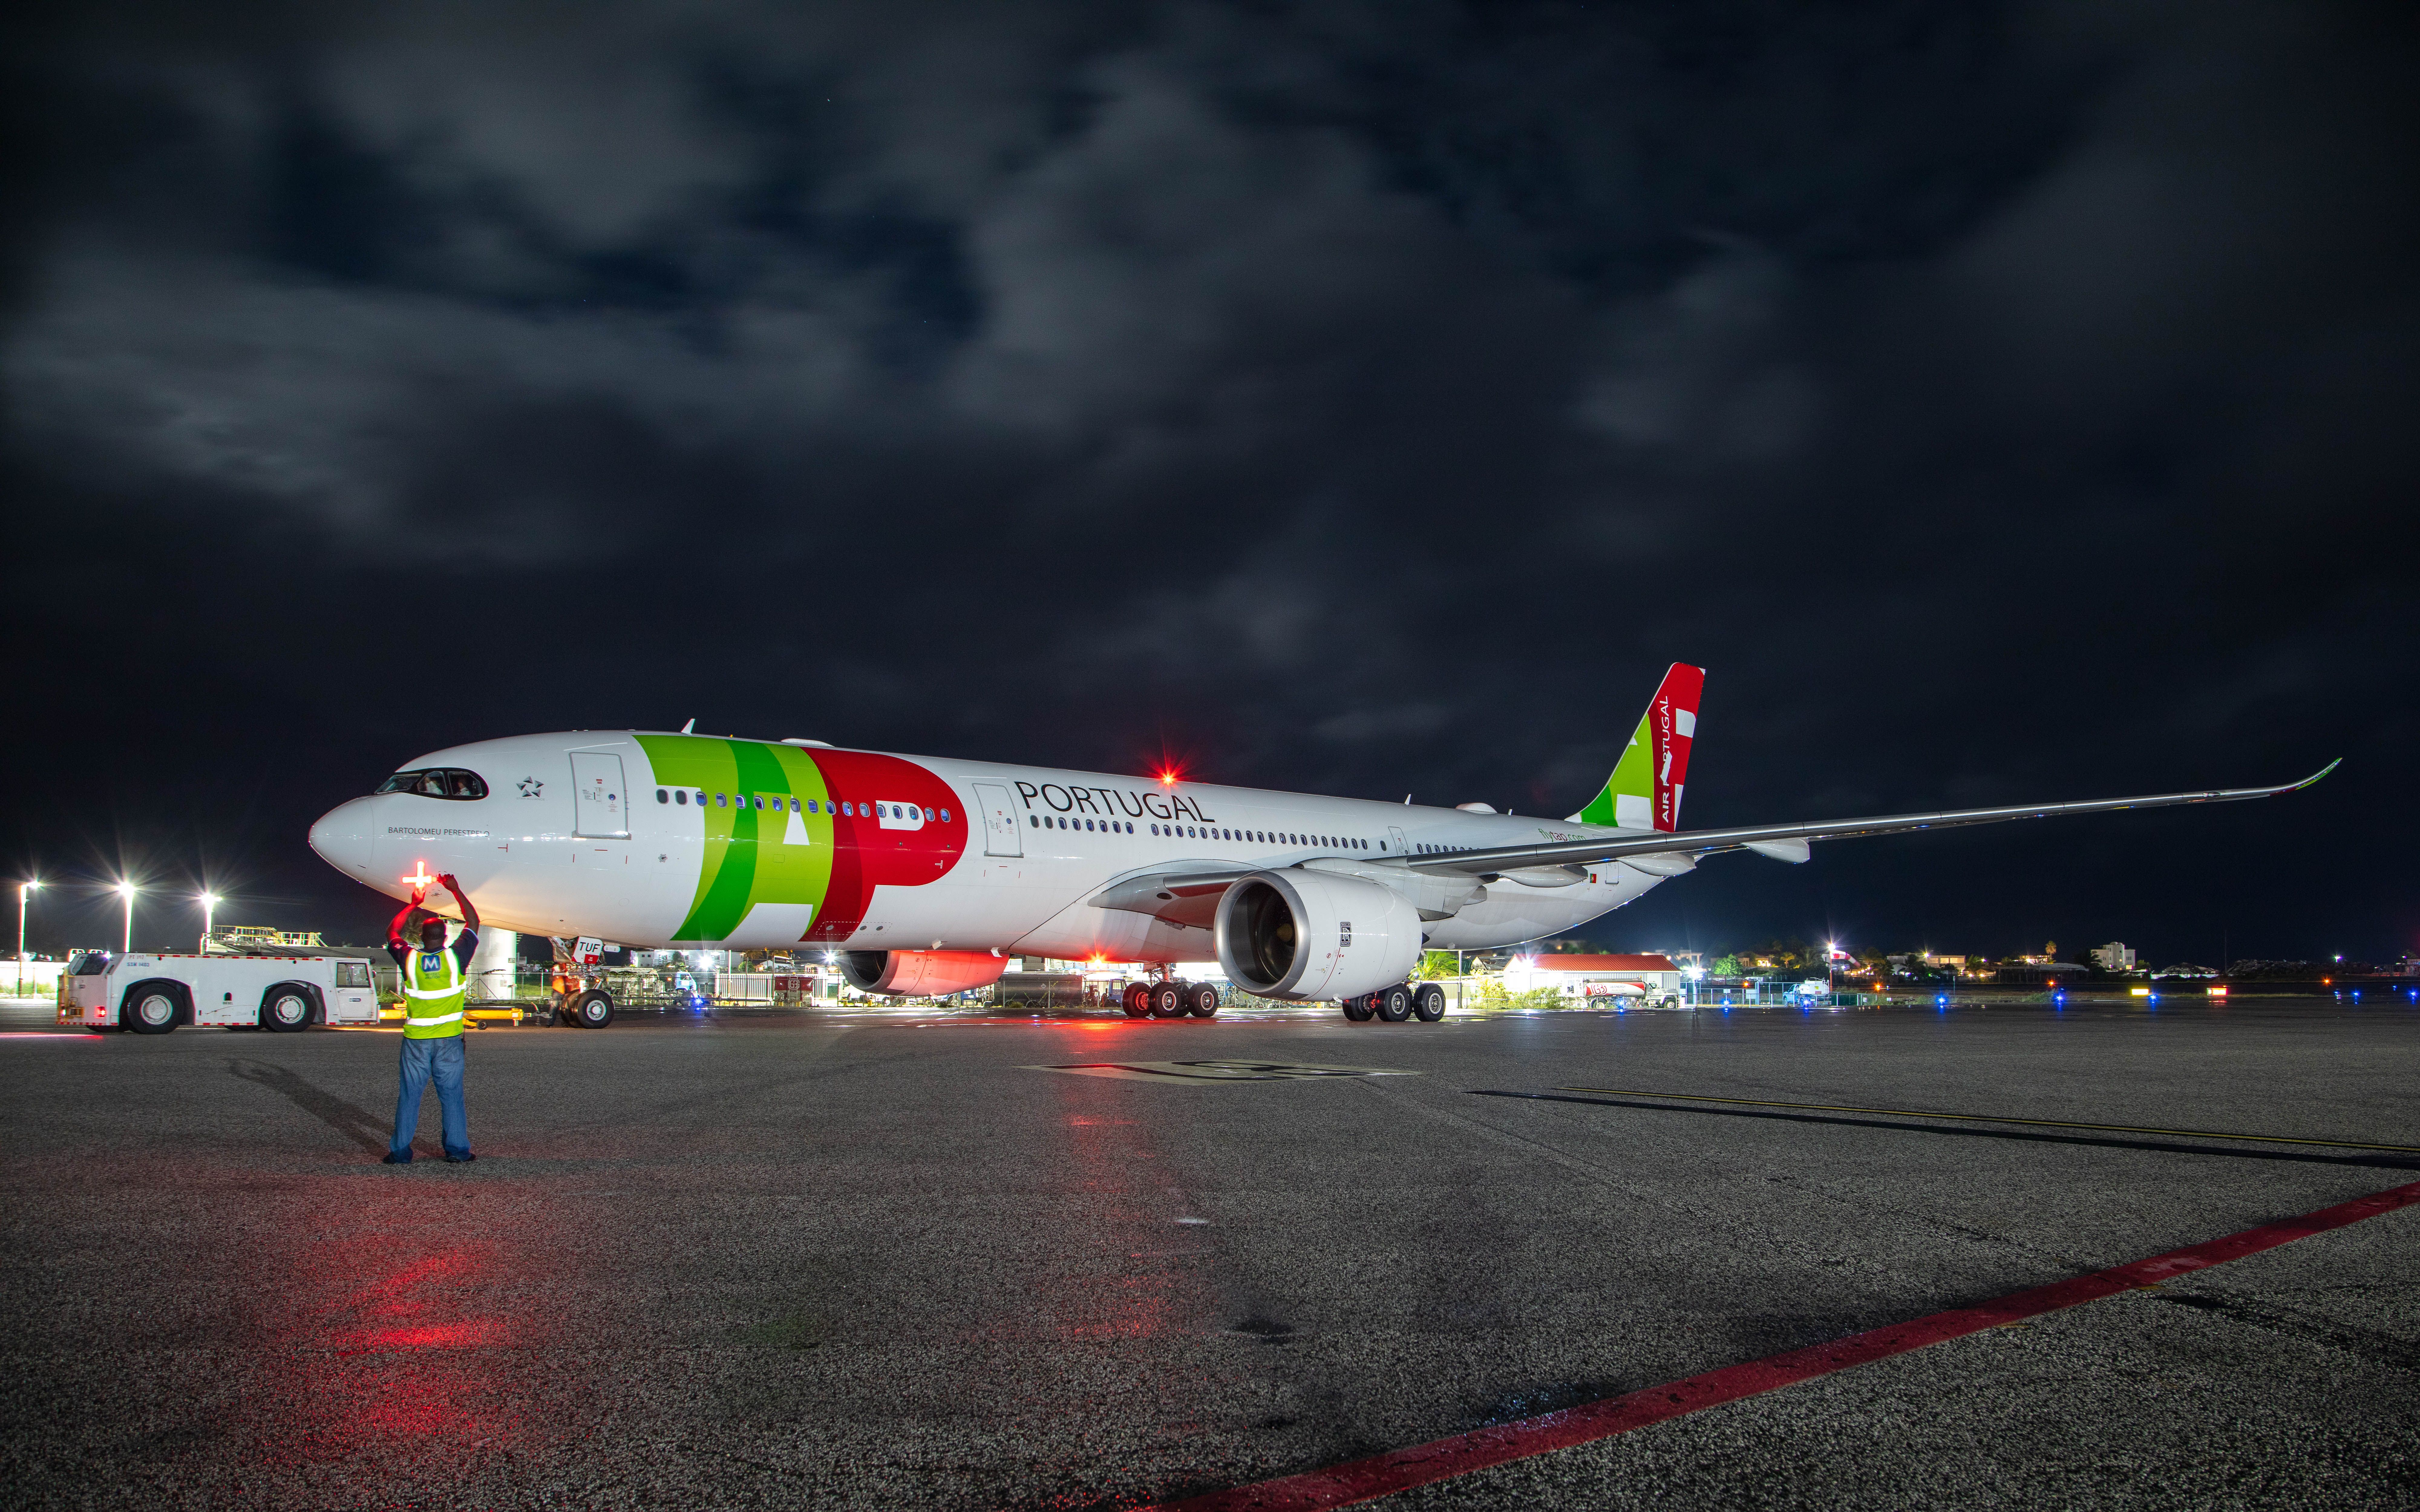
(1789, 843)
(1183, 892)
(1187, 892)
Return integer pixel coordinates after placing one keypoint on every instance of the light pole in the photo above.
(23, 888)
(209, 902)
(126, 890)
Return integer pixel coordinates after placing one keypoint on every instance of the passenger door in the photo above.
(998, 821)
(1402, 846)
(600, 805)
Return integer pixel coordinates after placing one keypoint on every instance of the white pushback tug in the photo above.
(154, 993)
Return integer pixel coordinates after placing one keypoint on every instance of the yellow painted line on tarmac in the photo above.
(1987, 1117)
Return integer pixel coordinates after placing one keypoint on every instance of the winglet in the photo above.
(2315, 775)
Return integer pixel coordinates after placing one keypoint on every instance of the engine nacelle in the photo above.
(1307, 936)
(919, 973)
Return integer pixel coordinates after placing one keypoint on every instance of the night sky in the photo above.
(2004, 403)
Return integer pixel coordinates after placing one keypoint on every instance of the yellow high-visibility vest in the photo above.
(432, 995)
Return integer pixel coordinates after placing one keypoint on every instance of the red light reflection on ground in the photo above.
(406, 1328)
(435, 1335)
(1130, 1283)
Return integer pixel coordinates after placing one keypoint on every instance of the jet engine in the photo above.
(919, 973)
(1311, 935)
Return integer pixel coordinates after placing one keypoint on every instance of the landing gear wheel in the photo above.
(1138, 999)
(151, 1010)
(1395, 1004)
(1357, 1009)
(592, 1009)
(286, 1011)
(1167, 1000)
(1204, 1000)
(1428, 1001)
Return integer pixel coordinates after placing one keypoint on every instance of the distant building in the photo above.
(1915, 960)
(1595, 976)
(2113, 957)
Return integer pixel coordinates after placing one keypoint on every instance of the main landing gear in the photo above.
(1170, 1000)
(1425, 1002)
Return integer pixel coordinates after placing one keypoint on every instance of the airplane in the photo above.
(922, 877)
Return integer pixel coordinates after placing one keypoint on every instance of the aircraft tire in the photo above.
(1357, 1009)
(1428, 1001)
(1138, 999)
(1167, 1000)
(1395, 1004)
(1204, 1000)
(592, 1009)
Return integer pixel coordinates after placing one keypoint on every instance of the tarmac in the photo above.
(879, 1259)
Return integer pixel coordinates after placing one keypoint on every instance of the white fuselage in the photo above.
(746, 844)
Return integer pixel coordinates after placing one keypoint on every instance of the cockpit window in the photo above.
(437, 782)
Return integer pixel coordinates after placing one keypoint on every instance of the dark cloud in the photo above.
(2005, 402)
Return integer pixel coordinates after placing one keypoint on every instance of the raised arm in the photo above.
(470, 913)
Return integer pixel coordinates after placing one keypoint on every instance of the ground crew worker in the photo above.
(434, 980)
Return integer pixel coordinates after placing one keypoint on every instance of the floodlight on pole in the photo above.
(31, 884)
(209, 902)
(126, 890)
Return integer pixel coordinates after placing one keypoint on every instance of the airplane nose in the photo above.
(346, 840)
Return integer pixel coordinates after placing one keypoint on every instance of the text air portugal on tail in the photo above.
(1644, 792)
(928, 875)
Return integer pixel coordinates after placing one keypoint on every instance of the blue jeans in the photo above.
(424, 1059)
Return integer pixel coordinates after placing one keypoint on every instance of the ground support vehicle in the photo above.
(154, 993)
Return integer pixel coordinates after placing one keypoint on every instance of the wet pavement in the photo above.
(876, 1260)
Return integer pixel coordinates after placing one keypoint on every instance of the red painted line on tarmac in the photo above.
(1361, 1480)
